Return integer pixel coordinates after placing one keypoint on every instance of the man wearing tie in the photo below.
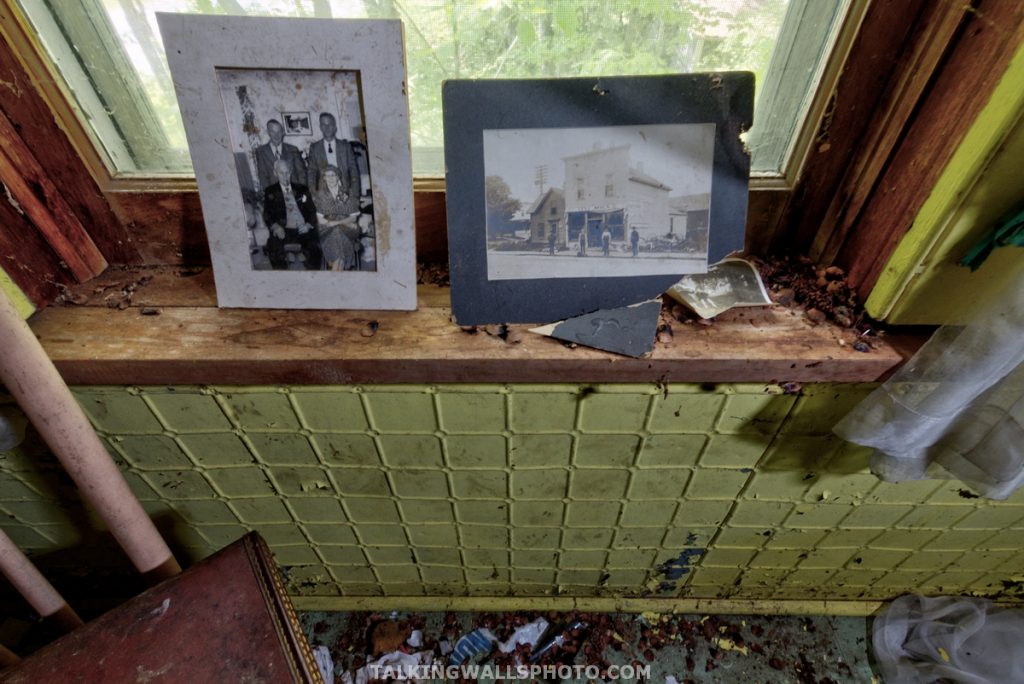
(277, 149)
(329, 151)
(290, 215)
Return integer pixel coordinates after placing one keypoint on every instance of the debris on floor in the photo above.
(595, 647)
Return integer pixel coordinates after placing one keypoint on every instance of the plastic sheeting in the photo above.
(968, 640)
(956, 410)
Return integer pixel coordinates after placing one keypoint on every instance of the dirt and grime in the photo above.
(689, 648)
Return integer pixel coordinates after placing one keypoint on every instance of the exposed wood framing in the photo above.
(919, 75)
(967, 78)
(44, 205)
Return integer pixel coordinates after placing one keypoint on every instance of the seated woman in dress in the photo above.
(337, 210)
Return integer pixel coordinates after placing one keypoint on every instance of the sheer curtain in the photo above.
(956, 410)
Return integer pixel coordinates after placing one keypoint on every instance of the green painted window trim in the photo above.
(984, 139)
(22, 304)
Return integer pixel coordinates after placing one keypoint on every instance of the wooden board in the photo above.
(190, 341)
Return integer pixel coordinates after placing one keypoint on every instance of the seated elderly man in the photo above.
(290, 214)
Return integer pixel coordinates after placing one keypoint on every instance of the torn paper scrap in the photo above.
(527, 634)
(628, 330)
(729, 283)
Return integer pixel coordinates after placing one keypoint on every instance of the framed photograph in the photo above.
(306, 205)
(566, 196)
(296, 123)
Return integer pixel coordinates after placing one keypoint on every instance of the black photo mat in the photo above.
(473, 107)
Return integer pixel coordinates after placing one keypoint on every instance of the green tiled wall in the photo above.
(732, 491)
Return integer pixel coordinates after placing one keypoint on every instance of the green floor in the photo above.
(690, 648)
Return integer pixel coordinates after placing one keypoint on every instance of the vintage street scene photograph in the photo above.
(598, 201)
(299, 144)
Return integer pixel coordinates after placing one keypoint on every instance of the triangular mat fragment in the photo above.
(627, 330)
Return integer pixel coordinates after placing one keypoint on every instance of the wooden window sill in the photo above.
(170, 331)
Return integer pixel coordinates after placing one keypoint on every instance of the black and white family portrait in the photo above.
(598, 201)
(299, 144)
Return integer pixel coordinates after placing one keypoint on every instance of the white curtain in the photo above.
(956, 410)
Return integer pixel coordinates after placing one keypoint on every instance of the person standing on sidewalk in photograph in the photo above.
(634, 241)
(606, 241)
(551, 242)
(583, 242)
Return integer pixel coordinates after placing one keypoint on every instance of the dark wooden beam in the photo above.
(170, 332)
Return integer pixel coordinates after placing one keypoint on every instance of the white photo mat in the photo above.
(200, 48)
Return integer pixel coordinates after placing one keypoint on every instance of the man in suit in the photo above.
(276, 148)
(329, 151)
(289, 213)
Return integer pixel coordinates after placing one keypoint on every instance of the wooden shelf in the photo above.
(171, 332)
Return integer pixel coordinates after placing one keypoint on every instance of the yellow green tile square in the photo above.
(759, 414)
(876, 515)
(152, 452)
(541, 450)
(694, 413)
(424, 510)
(372, 510)
(550, 411)
(537, 513)
(189, 411)
(285, 534)
(411, 451)
(361, 481)
(579, 578)
(659, 483)
(304, 481)
(263, 509)
(716, 483)
(482, 512)
(671, 450)
(320, 533)
(584, 538)
(382, 535)
(484, 536)
(702, 513)
(179, 484)
(759, 513)
(734, 451)
(330, 411)
(600, 484)
(475, 451)
(441, 574)
(486, 557)
(593, 514)
(316, 509)
(472, 411)
(597, 450)
(536, 537)
(261, 410)
(420, 484)
(638, 537)
(117, 411)
(342, 555)
(647, 513)
(347, 450)
(438, 556)
(433, 535)
(933, 517)
(480, 484)
(855, 538)
(282, 449)
(539, 484)
(402, 411)
(613, 412)
(629, 558)
(216, 449)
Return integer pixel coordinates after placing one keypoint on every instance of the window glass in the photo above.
(110, 55)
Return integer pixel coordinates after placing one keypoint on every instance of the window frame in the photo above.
(884, 48)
